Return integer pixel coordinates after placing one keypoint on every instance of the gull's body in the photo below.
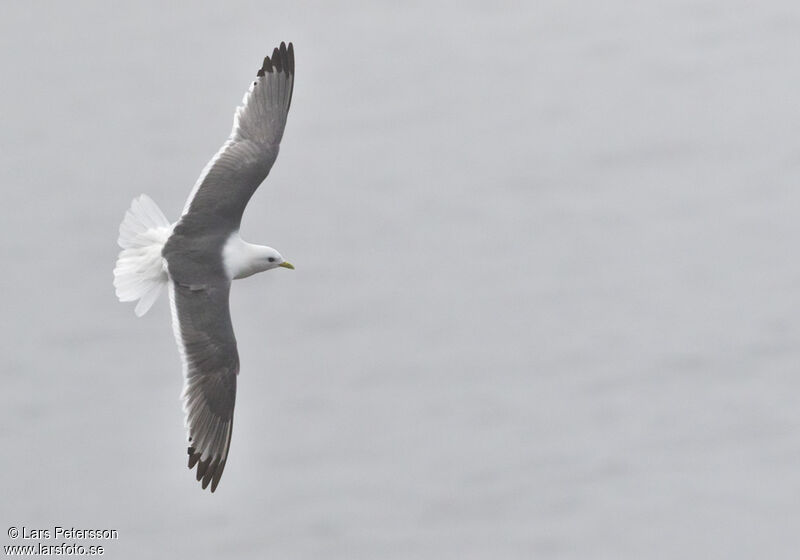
(199, 256)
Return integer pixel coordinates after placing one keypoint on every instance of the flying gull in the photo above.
(198, 256)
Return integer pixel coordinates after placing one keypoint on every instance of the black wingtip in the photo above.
(282, 60)
(277, 59)
(217, 475)
(208, 471)
(265, 67)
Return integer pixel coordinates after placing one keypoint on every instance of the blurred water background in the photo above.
(547, 297)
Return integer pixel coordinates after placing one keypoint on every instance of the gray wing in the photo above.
(202, 324)
(235, 172)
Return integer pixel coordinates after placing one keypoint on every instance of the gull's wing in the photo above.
(201, 321)
(235, 172)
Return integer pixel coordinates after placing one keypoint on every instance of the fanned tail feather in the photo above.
(139, 273)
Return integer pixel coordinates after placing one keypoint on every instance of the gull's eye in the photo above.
(271, 259)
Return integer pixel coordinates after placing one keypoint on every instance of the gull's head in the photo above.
(242, 259)
(270, 258)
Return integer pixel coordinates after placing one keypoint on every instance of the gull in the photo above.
(199, 256)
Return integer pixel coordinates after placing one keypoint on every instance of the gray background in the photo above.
(547, 297)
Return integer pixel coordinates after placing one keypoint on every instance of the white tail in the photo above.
(140, 273)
